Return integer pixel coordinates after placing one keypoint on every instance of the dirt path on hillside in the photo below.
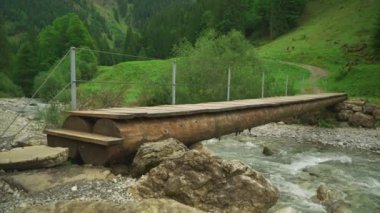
(316, 73)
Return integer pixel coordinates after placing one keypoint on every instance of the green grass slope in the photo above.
(134, 81)
(128, 79)
(334, 35)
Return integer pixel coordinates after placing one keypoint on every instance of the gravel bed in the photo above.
(26, 111)
(113, 190)
(353, 138)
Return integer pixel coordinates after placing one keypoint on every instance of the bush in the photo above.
(202, 69)
(8, 88)
(53, 115)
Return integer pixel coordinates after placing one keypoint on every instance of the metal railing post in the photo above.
(262, 85)
(229, 83)
(174, 81)
(73, 79)
(286, 85)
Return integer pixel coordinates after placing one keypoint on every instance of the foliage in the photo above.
(56, 39)
(52, 115)
(107, 97)
(203, 68)
(8, 88)
(376, 35)
(134, 82)
(325, 124)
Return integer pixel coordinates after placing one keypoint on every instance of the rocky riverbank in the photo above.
(347, 137)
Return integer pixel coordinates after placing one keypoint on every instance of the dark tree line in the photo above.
(34, 34)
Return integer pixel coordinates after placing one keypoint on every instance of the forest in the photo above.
(36, 34)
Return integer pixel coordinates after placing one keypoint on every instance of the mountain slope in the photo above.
(334, 35)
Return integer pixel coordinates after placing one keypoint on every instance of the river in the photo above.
(297, 169)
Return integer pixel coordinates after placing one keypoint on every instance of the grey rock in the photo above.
(150, 155)
(33, 157)
(208, 183)
(344, 115)
(357, 108)
(147, 206)
(376, 114)
(38, 181)
(363, 120)
(288, 209)
(267, 151)
(368, 109)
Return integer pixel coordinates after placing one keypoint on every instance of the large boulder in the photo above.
(152, 154)
(376, 113)
(148, 206)
(361, 119)
(206, 182)
(344, 115)
(33, 157)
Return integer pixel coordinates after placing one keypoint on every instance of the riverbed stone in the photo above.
(357, 108)
(267, 151)
(33, 157)
(369, 108)
(327, 196)
(376, 114)
(288, 209)
(150, 155)
(147, 206)
(209, 183)
(363, 120)
(41, 180)
(344, 115)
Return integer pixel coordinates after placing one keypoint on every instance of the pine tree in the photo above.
(5, 51)
(26, 63)
(376, 36)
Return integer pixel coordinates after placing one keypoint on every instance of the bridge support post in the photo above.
(262, 85)
(229, 83)
(73, 79)
(286, 85)
(174, 81)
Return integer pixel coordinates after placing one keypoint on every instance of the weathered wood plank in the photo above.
(189, 109)
(84, 136)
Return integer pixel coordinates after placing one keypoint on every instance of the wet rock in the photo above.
(201, 148)
(152, 154)
(161, 205)
(288, 209)
(357, 108)
(120, 169)
(355, 102)
(33, 157)
(376, 114)
(37, 181)
(344, 115)
(326, 195)
(208, 183)
(368, 109)
(339, 207)
(148, 205)
(267, 151)
(361, 119)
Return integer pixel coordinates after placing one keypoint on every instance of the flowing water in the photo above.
(297, 169)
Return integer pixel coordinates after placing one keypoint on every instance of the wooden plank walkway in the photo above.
(189, 109)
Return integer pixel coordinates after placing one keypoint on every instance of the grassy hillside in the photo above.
(334, 35)
(137, 80)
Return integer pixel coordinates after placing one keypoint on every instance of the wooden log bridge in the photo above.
(112, 135)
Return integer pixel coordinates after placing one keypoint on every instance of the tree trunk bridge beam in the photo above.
(205, 121)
